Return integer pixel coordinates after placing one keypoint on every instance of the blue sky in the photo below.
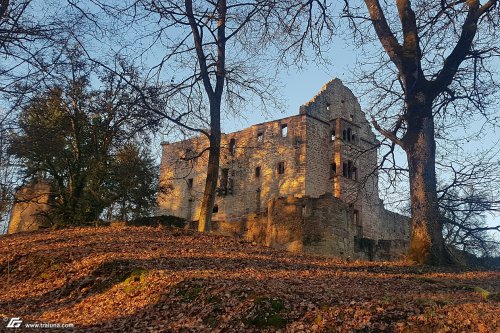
(299, 85)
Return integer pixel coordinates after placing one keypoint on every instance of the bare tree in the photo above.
(7, 172)
(30, 43)
(432, 76)
(208, 49)
(27, 41)
(470, 192)
(84, 142)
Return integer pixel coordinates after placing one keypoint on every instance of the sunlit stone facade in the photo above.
(28, 211)
(324, 157)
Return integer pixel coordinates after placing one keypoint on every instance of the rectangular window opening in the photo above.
(260, 137)
(333, 170)
(350, 168)
(284, 130)
(232, 146)
(223, 180)
(355, 217)
(190, 183)
(257, 172)
(344, 169)
(280, 168)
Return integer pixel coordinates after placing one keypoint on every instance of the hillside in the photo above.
(139, 279)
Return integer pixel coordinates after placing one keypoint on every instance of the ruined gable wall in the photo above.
(332, 102)
(335, 108)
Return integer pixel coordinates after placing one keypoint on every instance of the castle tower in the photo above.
(31, 202)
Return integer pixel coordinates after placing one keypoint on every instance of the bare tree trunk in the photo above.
(207, 204)
(215, 97)
(416, 122)
(426, 244)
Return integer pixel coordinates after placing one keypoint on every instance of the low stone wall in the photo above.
(285, 224)
(322, 226)
(380, 250)
(393, 225)
(329, 227)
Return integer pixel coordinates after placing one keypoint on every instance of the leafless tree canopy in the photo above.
(209, 58)
(31, 32)
(431, 86)
(464, 88)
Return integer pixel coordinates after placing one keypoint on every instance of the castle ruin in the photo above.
(31, 204)
(305, 183)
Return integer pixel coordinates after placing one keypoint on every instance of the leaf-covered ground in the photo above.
(139, 279)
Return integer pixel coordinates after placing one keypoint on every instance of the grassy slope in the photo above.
(134, 278)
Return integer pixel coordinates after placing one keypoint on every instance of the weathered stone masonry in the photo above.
(304, 183)
(32, 201)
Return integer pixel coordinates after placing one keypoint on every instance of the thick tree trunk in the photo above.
(426, 244)
(209, 194)
(215, 97)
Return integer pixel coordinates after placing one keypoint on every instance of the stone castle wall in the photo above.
(30, 204)
(243, 192)
(320, 226)
(335, 110)
(316, 188)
